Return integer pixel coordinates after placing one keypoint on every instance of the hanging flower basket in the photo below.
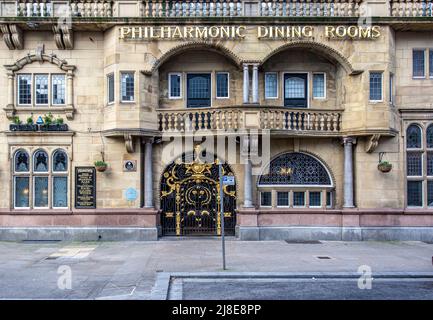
(384, 166)
(101, 166)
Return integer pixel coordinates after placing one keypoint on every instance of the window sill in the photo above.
(28, 211)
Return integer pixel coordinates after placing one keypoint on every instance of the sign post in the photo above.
(224, 181)
(220, 171)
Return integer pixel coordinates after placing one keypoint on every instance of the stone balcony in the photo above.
(215, 8)
(286, 121)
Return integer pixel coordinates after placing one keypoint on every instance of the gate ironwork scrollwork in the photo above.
(190, 198)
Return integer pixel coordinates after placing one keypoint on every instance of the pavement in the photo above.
(129, 270)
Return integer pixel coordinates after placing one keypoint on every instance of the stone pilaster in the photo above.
(246, 84)
(348, 143)
(148, 177)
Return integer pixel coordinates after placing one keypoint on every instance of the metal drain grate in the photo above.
(303, 242)
(323, 257)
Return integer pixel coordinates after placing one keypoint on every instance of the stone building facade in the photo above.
(320, 110)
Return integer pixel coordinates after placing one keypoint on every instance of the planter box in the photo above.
(53, 127)
(23, 127)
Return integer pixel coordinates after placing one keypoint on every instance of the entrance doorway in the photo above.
(198, 90)
(190, 198)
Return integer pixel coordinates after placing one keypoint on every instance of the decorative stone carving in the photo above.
(372, 143)
(40, 56)
(63, 37)
(12, 36)
(129, 142)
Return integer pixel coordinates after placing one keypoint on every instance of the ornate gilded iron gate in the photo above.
(190, 198)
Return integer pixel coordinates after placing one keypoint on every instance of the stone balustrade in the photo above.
(74, 8)
(234, 118)
(411, 8)
(210, 8)
(196, 8)
(310, 8)
(192, 8)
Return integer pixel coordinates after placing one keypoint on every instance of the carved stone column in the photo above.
(10, 107)
(348, 143)
(248, 174)
(255, 83)
(246, 85)
(70, 95)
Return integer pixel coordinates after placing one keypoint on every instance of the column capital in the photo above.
(348, 140)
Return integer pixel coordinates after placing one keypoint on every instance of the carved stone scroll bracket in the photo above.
(10, 111)
(372, 143)
(63, 37)
(129, 142)
(12, 36)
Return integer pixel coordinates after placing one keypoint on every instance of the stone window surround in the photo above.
(39, 56)
(31, 174)
(428, 67)
(381, 86)
(34, 106)
(424, 178)
(133, 73)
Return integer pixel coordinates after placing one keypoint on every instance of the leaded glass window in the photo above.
(282, 199)
(271, 85)
(21, 161)
(375, 86)
(24, 89)
(110, 87)
(319, 85)
(430, 193)
(430, 63)
(60, 161)
(21, 192)
(329, 199)
(33, 179)
(40, 192)
(430, 163)
(222, 85)
(429, 136)
(265, 199)
(58, 88)
(294, 88)
(127, 86)
(60, 192)
(315, 198)
(174, 80)
(419, 165)
(414, 193)
(413, 136)
(41, 88)
(414, 163)
(40, 161)
(295, 169)
(298, 199)
(418, 63)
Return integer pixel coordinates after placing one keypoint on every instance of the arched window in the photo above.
(60, 179)
(429, 136)
(21, 179)
(22, 161)
(295, 180)
(413, 136)
(35, 186)
(60, 161)
(40, 161)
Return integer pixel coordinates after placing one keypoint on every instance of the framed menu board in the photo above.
(85, 188)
